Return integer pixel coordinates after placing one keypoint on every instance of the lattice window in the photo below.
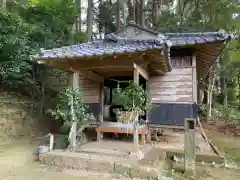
(181, 62)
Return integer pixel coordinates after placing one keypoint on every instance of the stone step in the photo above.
(104, 152)
(110, 152)
(153, 157)
(96, 162)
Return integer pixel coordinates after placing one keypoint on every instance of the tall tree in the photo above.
(3, 3)
(79, 15)
(118, 14)
(142, 17)
(90, 19)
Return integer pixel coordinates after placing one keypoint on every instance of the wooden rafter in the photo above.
(206, 56)
(141, 71)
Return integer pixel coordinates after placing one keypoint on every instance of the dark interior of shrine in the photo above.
(111, 85)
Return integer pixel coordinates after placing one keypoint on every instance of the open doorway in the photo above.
(111, 85)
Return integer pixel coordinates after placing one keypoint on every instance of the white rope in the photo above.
(119, 81)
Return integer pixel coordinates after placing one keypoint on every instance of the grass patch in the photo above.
(210, 173)
(227, 144)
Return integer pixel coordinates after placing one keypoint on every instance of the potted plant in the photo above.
(135, 102)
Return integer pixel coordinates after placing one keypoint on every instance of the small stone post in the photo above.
(189, 146)
(51, 142)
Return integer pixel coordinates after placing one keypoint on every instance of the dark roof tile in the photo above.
(97, 48)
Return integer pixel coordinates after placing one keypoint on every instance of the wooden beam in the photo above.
(64, 65)
(116, 73)
(118, 61)
(159, 72)
(91, 75)
(157, 63)
(142, 71)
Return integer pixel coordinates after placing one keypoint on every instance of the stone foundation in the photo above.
(98, 163)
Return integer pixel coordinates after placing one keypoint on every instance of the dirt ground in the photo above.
(226, 138)
(17, 162)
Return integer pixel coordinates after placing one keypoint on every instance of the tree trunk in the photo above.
(118, 14)
(137, 12)
(154, 14)
(3, 3)
(79, 19)
(142, 18)
(42, 99)
(225, 93)
(134, 10)
(90, 19)
(211, 86)
(130, 9)
(123, 14)
(33, 86)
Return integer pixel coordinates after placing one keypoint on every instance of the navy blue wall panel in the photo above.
(172, 114)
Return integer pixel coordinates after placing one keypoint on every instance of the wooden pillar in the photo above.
(136, 75)
(101, 109)
(194, 76)
(147, 111)
(75, 85)
(189, 146)
(136, 125)
(110, 99)
(101, 102)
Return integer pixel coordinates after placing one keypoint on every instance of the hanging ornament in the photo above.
(118, 87)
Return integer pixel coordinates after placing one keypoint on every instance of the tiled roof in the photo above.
(98, 48)
(181, 39)
(114, 44)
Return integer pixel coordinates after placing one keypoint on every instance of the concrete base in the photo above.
(115, 156)
(144, 168)
(200, 157)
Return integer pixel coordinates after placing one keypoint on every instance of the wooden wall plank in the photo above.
(91, 99)
(175, 78)
(180, 71)
(175, 86)
(194, 75)
(90, 90)
(170, 84)
(172, 91)
(172, 98)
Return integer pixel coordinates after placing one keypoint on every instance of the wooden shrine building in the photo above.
(170, 64)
